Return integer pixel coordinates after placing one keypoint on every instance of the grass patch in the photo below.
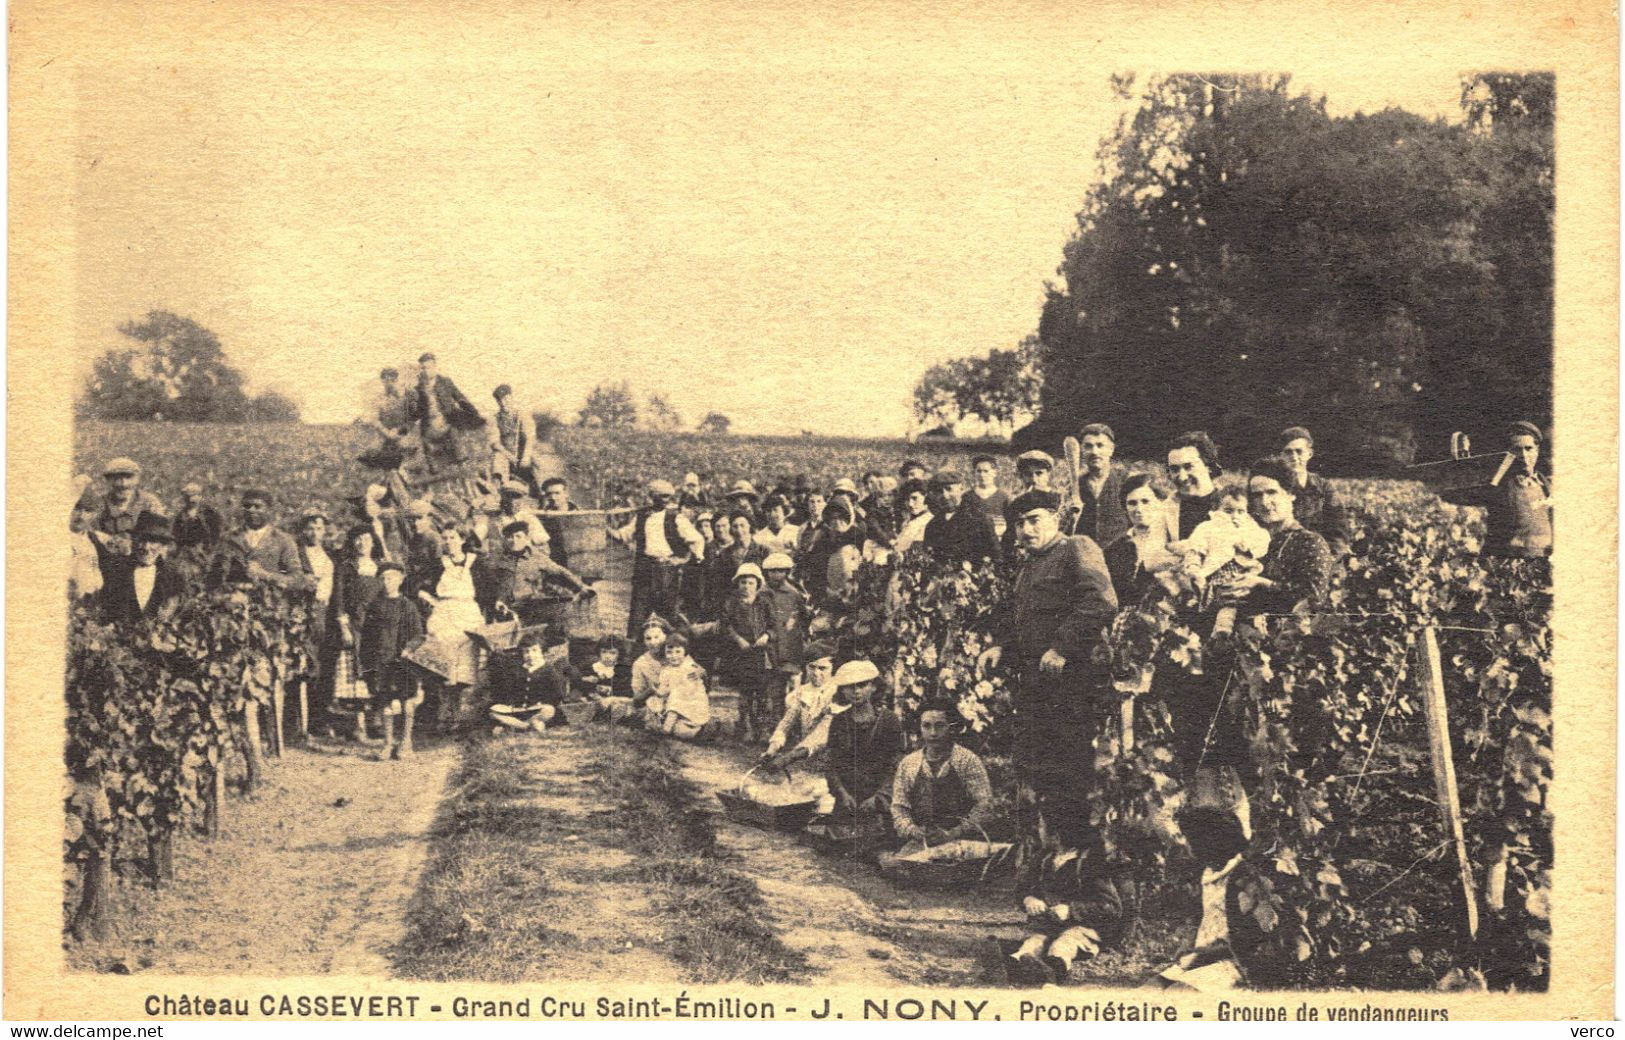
(493, 907)
(714, 914)
(482, 910)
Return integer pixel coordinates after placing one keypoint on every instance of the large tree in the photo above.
(609, 406)
(175, 370)
(1248, 261)
(1000, 388)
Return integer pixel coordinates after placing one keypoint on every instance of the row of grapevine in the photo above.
(1350, 879)
(157, 713)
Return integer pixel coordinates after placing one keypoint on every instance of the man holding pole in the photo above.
(662, 541)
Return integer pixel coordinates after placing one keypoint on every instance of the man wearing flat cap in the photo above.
(513, 439)
(143, 585)
(123, 504)
(1061, 603)
(957, 534)
(440, 410)
(385, 413)
(1034, 469)
(258, 550)
(663, 540)
(513, 583)
(1518, 508)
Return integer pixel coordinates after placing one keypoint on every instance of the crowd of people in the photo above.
(738, 592)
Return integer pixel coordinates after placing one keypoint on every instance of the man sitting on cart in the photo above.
(514, 583)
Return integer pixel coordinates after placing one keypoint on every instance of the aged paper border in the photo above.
(50, 39)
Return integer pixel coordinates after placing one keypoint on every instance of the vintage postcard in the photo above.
(718, 511)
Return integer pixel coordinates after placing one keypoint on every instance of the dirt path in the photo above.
(853, 925)
(312, 875)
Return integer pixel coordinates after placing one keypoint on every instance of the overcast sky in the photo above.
(787, 239)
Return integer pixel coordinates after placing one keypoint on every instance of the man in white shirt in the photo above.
(662, 541)
(142, 585)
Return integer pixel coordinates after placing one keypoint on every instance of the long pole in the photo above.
(1430, 677)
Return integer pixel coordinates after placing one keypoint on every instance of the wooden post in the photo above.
(93, 918)
(304, 710)
(161, 853)
(251, 745)
(279, 704)
(214, 800)
(1430, 679)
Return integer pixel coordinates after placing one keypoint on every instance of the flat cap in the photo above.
(1030, 500)
(853, 672)
(1523, 428)
(658, 486)
(1041, 459)
(122, 466)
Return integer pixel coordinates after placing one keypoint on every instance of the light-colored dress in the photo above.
(455, 614)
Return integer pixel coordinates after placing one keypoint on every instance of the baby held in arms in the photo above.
(1228, 544)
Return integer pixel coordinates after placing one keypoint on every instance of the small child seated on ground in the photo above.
(603, 678)
(941, 792)
(527, 693)
(629, 706)
(681, 705)
(1228, 544)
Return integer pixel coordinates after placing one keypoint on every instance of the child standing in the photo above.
(790, 608)
(747, 628)
(391, 627)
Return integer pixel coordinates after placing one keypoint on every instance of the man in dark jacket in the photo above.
(1061, 603)
(1100, 486)
(143, 585)
(1316, 506)
(440, 409)
(957, 532)
(258, 550)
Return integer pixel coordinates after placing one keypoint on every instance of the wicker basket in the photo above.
(773, 816)
(952, 865)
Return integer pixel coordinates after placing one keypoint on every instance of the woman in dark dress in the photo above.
(1133, 557)
(1298, 565)
(865, 742)
(356, 585)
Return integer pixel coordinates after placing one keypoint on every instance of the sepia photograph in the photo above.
(902, 523)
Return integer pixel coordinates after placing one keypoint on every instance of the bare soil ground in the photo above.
(312, 874)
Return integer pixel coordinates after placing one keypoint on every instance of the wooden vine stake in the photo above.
(93, 919)
(304, 709)
(1430, 678)
(279, 704)
(214, 800)
(251, 745)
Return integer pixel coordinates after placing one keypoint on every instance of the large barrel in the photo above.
(583, 535)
